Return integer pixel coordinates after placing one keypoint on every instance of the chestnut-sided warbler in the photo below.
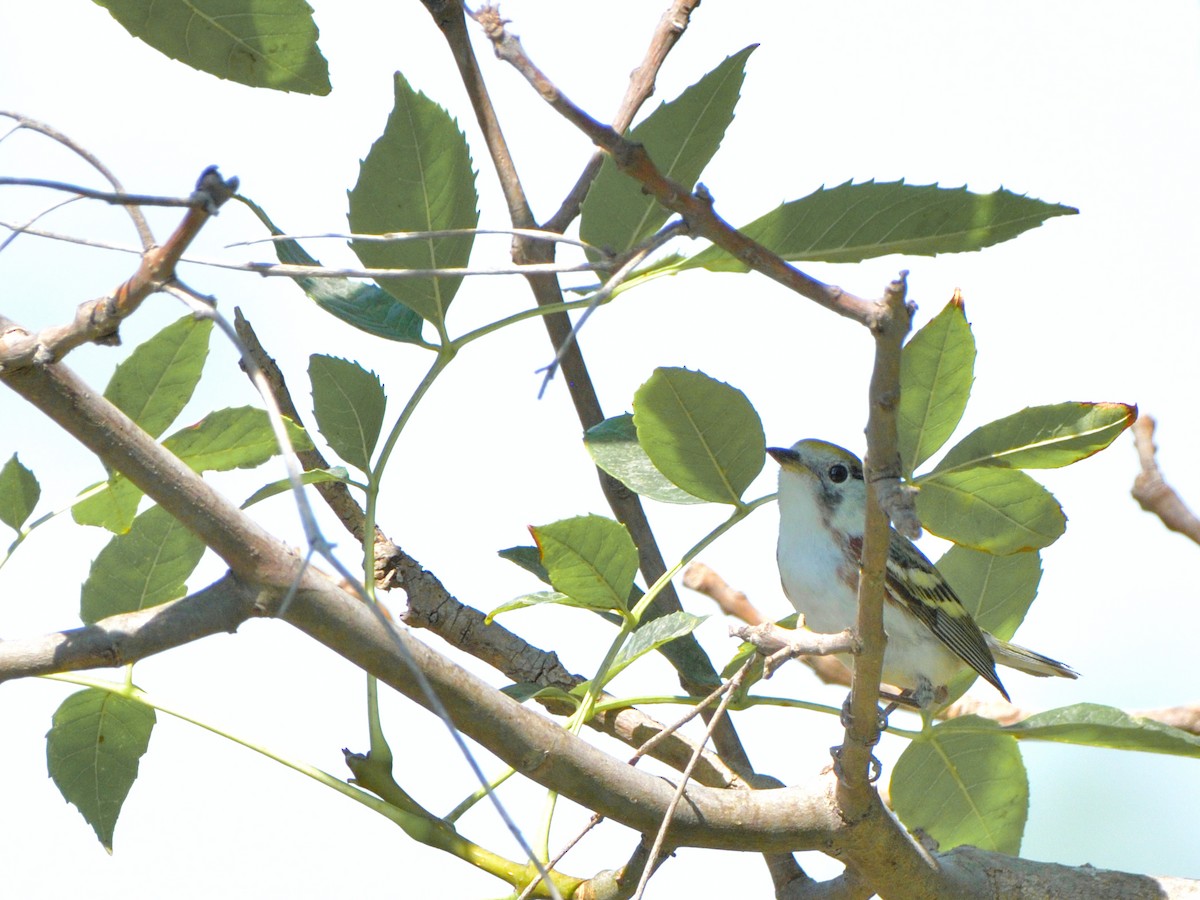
(930, 634)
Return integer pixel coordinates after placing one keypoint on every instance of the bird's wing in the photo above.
(913, 582)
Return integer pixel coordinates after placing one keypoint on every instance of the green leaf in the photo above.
(937, 369)
(614, 447)
(238, 438)
(681, 137)
(92, 752)
(367, 307)
(145, 567)
(112, 508)
(348, 403)
(312, 476)
(852, 222)
(417, 177)
(996, 590)
(650, 636)
(963, 782)
(700, 433)
(591, 559)
(537, 598)
(233, 438)
(1041, 437)
(998, 510)
(523, 691)
(152, 387)
(1103, 726)
(528, 558)
(19, 493)
(264, 43)
(155, 383)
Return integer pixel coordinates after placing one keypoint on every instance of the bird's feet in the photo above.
(874, 767)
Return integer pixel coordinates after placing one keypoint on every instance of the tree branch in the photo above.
(98, 320)
(889, 325)
(695, 208)
(1152, 493)
(671, 26)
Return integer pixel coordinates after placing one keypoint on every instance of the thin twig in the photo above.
(727, 691)
(595, 820)
(139, 221)
(98, 320)
(18, 230)
(66, 238)
(534, 234)
(635, 259)
(671, 27)
(317, 543)
(642, 751)
(117, 198)
(281, 270)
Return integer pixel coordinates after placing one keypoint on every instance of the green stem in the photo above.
(633, 618)
(445, 354)
(739, 512)
(542, 846)
(457, 813)
(380, 750)
(535, 313)
(430, 831)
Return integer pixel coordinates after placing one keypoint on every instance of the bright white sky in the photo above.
(1094, 109)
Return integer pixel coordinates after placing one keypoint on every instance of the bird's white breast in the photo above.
(810, 560)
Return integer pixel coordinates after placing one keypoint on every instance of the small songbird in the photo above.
(930, 635)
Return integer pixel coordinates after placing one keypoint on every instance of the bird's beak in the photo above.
(784, 456)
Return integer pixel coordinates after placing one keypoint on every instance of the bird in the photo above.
(931, 636)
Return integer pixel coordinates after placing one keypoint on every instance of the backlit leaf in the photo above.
(264, 43)
(417, 177)
(963, 782)
(852, 222)
(998, 510)
(1041, 437)
(937, 368)
(700, 433)
(92, 752)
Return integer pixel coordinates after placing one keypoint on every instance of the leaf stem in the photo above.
(430, 831)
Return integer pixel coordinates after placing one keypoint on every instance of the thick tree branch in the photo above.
(247, 548)
(124, 639)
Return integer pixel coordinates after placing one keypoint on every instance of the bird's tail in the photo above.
(1017, 657)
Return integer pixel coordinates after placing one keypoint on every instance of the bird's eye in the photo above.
(838, 473)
